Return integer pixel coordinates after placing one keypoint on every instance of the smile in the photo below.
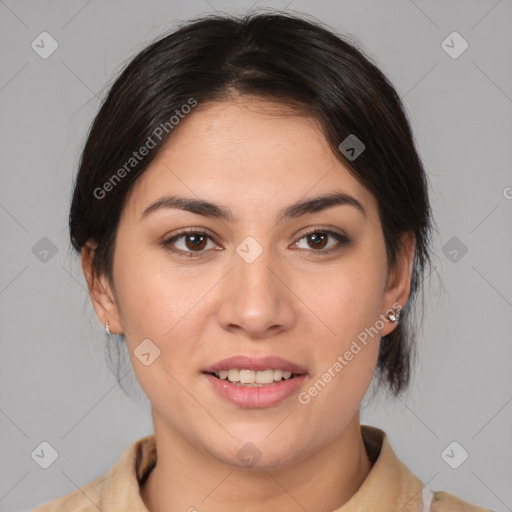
(245, 377)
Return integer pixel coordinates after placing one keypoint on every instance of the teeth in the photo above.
(263, 377)
(247, 376)
(244, 376)
(233, 375)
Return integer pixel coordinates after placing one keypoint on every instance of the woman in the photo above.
(254, 223)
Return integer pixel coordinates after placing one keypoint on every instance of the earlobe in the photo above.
(100, 292)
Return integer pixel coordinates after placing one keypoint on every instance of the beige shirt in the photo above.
(388, 487)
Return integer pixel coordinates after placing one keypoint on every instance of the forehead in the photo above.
(248, 132)
(245, 152)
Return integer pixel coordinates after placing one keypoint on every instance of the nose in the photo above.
(256, 297)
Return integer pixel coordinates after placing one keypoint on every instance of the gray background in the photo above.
(54, 385)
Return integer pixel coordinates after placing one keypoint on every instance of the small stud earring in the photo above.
(394, 316)
(106, 328)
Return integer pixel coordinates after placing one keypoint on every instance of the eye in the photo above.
(195, 242)
(318, 240)
(191, 242)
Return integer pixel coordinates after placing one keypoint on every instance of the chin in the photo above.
(256, 452)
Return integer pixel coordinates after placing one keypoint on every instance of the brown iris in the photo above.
(197, 242)
(319, 239)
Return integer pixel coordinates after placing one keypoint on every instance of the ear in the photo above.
(100, 291)
(398, 286)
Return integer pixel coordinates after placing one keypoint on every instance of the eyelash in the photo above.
(341, 239)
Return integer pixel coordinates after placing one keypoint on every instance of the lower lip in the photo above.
(256, 397)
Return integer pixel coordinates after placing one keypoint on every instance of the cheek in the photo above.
(169, 308)
(343, 299)
(347, 300)
(154, 297)
(159, 305)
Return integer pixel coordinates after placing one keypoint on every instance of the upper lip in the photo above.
(255, 363)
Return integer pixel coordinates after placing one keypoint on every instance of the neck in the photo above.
(186, 478)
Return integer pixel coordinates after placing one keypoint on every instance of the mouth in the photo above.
(255, 372)
(250, 382)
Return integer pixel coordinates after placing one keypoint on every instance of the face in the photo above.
(308, 284)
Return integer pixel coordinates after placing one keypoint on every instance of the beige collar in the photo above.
(390, 486)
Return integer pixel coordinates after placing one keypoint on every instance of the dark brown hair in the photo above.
(277, 56)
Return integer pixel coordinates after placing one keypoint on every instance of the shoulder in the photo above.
(443, 501)
(85, 499)
(115, 491)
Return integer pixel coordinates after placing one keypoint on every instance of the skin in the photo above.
(255, 158)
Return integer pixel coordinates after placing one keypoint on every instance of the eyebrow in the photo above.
(209, 209)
